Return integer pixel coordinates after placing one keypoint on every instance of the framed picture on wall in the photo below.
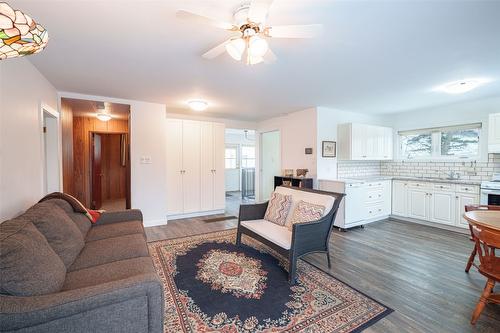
(329, 149)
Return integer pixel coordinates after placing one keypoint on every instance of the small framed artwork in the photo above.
(329, 149)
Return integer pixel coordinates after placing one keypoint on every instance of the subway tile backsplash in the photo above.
(479, 171)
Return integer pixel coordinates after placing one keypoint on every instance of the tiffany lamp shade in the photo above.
(19, 34)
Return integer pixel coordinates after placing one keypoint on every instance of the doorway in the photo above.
(109, 169)
(51, 160)
(270, 162)
(239, 170)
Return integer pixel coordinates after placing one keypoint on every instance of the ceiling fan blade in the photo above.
(258, 10)
(295, 31)
(269, 57)
(200, 19)
(216, 51)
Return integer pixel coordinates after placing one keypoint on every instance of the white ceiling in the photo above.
(375, 56)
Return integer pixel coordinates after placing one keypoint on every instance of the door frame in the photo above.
(258, 167)
(51, 112)
(129, 168)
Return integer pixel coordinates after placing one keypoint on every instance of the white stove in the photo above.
(490, 191)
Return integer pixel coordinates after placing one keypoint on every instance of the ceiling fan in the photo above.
(249, 20)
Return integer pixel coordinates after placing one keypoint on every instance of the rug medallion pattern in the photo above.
(211, 285)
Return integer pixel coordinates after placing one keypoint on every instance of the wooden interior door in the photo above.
(96, 156)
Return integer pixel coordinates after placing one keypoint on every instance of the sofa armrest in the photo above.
(121, 216)
(252, 211)
(62, 309)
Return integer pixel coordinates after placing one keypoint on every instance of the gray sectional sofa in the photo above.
(60, 273)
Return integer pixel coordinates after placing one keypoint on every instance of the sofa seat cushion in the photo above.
(28, 264)
(108, 250)
(117, 270)
(104, 231)
(277, 234)
(311, 197)
(62, 234)
(80, 219)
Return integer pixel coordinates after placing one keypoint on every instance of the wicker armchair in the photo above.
(304, 238)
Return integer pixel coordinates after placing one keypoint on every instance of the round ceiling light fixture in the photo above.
(198, 105)
(462, 86)
(104, 116)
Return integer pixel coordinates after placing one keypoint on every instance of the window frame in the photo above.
(237, 157)
(436, 133)
(242, 158)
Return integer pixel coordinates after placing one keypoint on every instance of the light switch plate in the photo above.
(146, 160)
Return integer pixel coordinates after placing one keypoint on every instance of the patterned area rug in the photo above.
(211, 285)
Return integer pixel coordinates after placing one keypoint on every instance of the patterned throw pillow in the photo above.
(306, 212)
(278, 207)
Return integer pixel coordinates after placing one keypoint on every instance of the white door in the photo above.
(442, 207)
(462, 201)
(174, 167)
(191, 166)
(270, 162)
(418, 204)
(219, 189)
(399, 198)
(51, 153)
(207, 166)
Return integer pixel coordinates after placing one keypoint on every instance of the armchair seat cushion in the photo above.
(279, 235)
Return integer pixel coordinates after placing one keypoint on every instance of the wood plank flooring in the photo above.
(416, 270)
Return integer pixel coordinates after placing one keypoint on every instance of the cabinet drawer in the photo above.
(374, 211)
(444, 187)
(374, 195)
(373, 185)
(468, 189)
(419, 185)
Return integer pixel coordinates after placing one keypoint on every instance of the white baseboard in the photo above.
(154, 223)
(195, 214)
(431, 224)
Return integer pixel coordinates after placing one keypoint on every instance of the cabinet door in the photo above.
(219, 166)
(442, 207)
(418, 204)
(207, 167)
(191, 136)
(359, 142)
(494, 129)
(174, 167)
(462, 201)
(399, 198)
(355, 209)
(388, 139)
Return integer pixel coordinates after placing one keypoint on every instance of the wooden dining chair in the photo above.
(469, 208)
(487, 241)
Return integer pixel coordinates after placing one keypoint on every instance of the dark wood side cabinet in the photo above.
(294, 181)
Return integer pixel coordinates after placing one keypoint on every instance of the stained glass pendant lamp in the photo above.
(20, 35)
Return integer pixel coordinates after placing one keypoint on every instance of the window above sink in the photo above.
(441, 143)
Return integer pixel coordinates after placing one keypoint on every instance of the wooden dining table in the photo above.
(489, 219)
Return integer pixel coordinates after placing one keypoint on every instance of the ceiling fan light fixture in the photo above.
(235, 48)
(198, 105)
(257, 46)
(104, 116)
(254, 60)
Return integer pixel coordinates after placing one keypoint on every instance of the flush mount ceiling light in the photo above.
(462, 86)
(249, 22)
(20, 35)
(104, 116)
(197, 105)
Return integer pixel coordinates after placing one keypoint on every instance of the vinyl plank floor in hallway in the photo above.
(416, 270)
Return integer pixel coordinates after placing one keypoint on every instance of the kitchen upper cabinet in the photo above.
(494, 133)
(364, 142)
(400, 198)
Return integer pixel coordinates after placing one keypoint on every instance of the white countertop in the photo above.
(365, 179)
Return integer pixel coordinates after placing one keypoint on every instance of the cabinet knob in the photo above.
(456, 197)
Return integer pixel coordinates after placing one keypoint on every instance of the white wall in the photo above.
(327, 120)
(22, 91)
(448, 115)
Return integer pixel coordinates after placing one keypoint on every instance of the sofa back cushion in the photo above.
(80, 219)
(60, 231)
(311, 197)
(28, 265)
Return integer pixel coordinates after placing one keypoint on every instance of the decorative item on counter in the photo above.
(329, 149)
(302, 172)
(309, 151)
(288, 173)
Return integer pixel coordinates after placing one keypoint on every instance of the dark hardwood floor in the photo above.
(416, 270)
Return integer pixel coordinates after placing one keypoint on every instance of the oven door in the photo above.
(490, 197)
